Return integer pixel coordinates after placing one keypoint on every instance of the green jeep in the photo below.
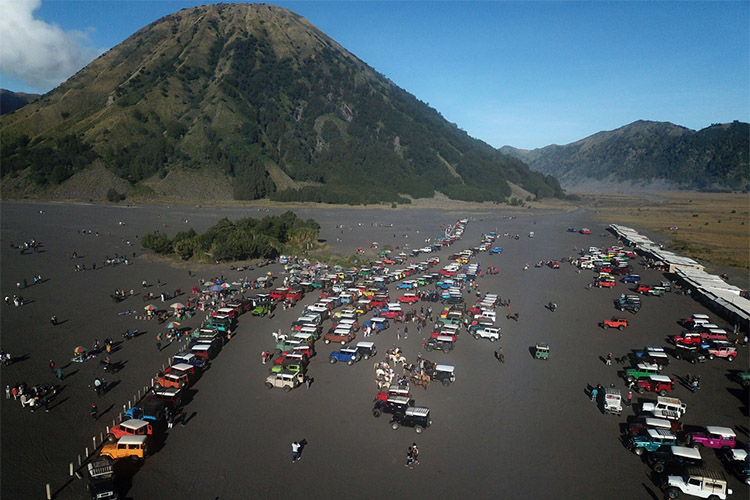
(261, 310)
(641, 370)
(652, 440)
(288, 367)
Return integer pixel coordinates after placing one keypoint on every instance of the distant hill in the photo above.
(262, 100)
(715, 157)
(11, 101)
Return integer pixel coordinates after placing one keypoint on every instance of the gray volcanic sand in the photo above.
(525, 429)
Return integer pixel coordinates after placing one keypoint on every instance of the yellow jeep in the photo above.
(133, 447)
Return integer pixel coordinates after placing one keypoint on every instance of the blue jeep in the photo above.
(633, 278)
(349, 355)
(497, 250)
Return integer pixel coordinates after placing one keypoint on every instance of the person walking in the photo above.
(51, 366)
(296, 455)
(609, 359)
(415, 453)
(94, 411)
(409, 458)
(594, 393)
(398, 333)
(158, 341)
(60, 374)
(263, 356)
(7, 391)
(406, 332)
(630, 397)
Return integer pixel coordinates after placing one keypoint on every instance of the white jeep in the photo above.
(665, 407)
(700, 483)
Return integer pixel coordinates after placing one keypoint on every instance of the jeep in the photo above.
(612, 401)
(131, 427)
(487, 332)
(619, 323)
(698, 482)
(349, 355)
(366, 349)
(714, 437)
(285, 380)
(441, 342)
(673, 458)
(651, 440)
(722, 351)
(393, 405)
(341, 336)
(693, 354)
(417, 417)
(665, 407)
(443, 373)
(133, 447)
(641, 370)
(655, 383)
(101, 484)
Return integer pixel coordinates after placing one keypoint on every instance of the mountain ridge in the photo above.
(646, 152)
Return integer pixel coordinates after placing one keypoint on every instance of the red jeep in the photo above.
(132, 427)
(278, 294)
(604, 282)
(619, 323)
(643, 288)
(392, 314)
(660, 384)
(687, 338)
(722, 351)
(293, 295)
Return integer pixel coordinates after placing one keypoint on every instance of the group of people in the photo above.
(38, 396)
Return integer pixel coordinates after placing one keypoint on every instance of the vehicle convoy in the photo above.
(619, 323)
(698, 482)
(102, 484)
(151, 408)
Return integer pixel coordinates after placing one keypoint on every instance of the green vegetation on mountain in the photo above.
(715, 157)
(260, 94)
(246, 238)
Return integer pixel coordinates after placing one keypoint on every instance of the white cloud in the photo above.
(40, 54)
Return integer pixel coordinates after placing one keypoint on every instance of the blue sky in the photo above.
(527, 74)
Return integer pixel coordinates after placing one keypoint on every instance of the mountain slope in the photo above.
(11, 101)
(259, 93)
(645, 151)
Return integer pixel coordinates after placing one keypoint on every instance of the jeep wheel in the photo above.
(693, 361)
(713, 497)
(663, 392)
(446, 382)
(269, 385)
(638, 451)
(343, 342)
(394, 425)
(730, 358)
(630, 378)
(493, 339)
(476, 337)
(287, 388)
(641, 390)
(621, 327)
(658, 467)
(711, 356)
(697, 445)
(326, 341)
(606, 326)
(376, 413)
(418, 429)
(333, 360)
(350, 362)
(428, 348)
(366, 357)
(673, 492)
(111, 438)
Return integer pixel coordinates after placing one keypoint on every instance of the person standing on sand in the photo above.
(94, 411)
(296, 451)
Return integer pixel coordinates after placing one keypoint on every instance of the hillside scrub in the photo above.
(243, 239)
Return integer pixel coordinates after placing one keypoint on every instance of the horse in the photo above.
(397, 358)
(513, 316)
(421, 379)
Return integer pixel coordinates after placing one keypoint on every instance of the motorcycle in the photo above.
(130, 334)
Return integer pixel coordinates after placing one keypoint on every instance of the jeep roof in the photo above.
(659, 378)
(445, 368)
(365, 345)
(684, 451)
(646, 366)
(132, 439)
(183, 367)
(661, 434)
(133, 424)
(721, 431)
(398, 400)
(417, 411)
(443, 338)
(348, 350)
